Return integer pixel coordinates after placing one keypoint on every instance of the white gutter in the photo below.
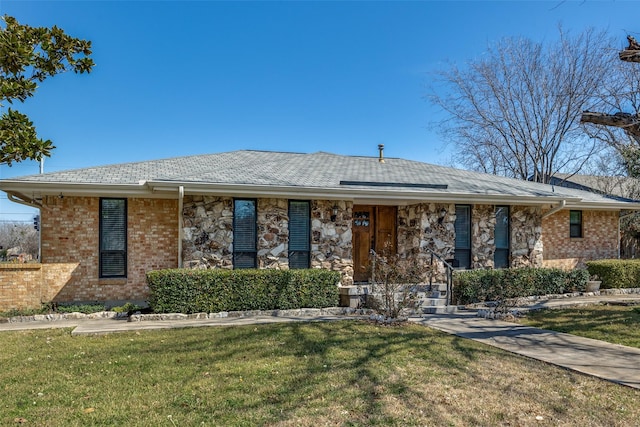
(180, 232)
(24, 200)
(358, 195)
(560, 206)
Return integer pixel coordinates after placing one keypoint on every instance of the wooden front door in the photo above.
(374, 227)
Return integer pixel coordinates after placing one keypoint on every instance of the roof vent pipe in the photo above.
(381, 150)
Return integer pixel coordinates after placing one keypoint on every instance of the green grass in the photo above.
(611, 323)
(346, 373)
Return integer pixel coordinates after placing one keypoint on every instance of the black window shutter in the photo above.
(113, 237)
(299, 234)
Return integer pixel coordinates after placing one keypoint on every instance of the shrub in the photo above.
(210, 291)
(496, 285)
(79, 308)
(616, 273)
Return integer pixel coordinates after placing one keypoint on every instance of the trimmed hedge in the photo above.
(210, 291)
(616, 273)
(490, 285)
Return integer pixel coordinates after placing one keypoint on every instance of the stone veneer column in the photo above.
(483, 227)
(526, 236)
(427, 225)
(207, 232)
(273, 233)
(331, 245)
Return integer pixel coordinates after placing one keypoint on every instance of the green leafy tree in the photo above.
(29, 55)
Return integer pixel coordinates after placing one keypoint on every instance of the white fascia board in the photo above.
(607, 206)
(357, 195)
(77, 189)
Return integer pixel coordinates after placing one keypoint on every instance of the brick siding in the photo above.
(70, 234)
(600, 238)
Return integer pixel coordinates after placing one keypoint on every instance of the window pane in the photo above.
(244, 260)
(113, 264)
(463, 258)
(575, 217)
(244, 234)
(299, 234)
(244, 226)
(462, 227)
(298, 259)
(502, 227)
(575, 223)
(501, 258)
(113, 237)
(113, 218)
(299, 226)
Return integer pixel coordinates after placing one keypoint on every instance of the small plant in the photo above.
(128, 308)
(80, 308)
(393, 284)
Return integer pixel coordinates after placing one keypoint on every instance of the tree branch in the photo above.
(632, 52)
(629, 122)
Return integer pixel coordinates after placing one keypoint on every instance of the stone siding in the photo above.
(526, 236)
(208, 234)
(207, 227)
(331, 238)
(600, 238)
(427, 225)
(273, 233)
(483, 226)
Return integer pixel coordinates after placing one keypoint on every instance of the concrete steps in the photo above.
(430, 299)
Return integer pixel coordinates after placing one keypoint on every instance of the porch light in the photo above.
(335, 213)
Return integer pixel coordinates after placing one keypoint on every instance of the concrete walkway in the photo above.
(611, 362)
(107, 326)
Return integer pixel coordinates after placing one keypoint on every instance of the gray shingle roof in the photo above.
(296, 170)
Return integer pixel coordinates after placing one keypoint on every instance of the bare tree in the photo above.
(19, 235)
(618, 122)
(515, 110)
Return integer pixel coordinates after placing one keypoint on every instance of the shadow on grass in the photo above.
(615, 324)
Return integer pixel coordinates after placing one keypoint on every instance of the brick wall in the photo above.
(600, 238)
(29, 285)
(20, 286)
(70, 232)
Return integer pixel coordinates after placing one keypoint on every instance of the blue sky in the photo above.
(181, 78)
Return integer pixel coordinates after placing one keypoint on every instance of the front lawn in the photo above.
(345, 373)
(611, 323)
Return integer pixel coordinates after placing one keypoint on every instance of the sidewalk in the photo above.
(107, 326)
(611, 362)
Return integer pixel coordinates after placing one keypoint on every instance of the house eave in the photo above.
(357, 195)
(78, 189)
(395, 196)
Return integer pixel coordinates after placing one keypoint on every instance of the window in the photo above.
(575, 223)
(501, 237)
(299, 234)
(113, 238)
(462, 254)
(244, 233)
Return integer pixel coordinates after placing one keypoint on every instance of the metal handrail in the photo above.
(449, 268)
